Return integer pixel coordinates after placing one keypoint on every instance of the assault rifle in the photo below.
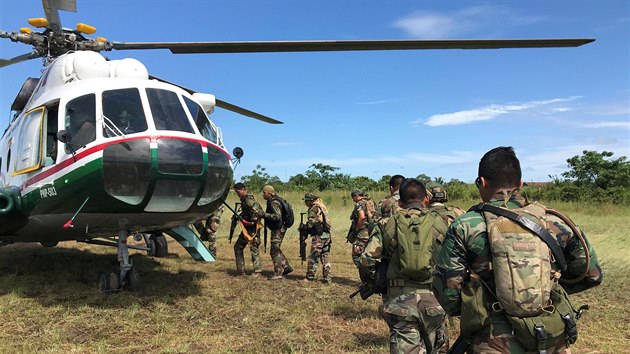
(235, 219)
(378, 285)
(265, 239)
(459, 347)
(303, 236)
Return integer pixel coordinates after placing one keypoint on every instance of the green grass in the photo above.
(49, 302)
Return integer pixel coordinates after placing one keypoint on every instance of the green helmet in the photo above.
(438, 192)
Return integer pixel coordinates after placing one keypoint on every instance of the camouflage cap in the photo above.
(356, 192)
(268, 189)
(438, 193)
(310, 197)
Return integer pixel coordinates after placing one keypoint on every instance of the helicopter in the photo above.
(99, 150)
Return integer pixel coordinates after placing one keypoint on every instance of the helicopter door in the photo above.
(80, 122)
(28, 146)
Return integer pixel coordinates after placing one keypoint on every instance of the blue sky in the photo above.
(374, 113)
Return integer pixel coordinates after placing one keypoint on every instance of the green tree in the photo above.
(259, 178)
(598, 170)
(423, 178)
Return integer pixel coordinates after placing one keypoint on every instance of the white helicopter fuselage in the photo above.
(100, 144)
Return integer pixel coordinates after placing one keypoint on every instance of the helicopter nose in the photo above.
(167, 175)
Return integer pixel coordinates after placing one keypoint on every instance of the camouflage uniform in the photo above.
(208, 231)
(466, 247)
(320, 243)
(388, 206)
(273, 221)
(413, 314)
(361, 236)
(250, 211)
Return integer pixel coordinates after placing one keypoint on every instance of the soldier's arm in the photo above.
(373, 252)
(451, 270)
(312, 217)
(577, 259)
(259, 212)
(276, 214)
(360, 217)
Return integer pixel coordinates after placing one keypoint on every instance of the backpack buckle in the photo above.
(496, 307)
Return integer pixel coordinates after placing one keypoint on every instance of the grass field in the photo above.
(49, 302)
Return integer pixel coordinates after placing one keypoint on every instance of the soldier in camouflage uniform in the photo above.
(413, 314)
(208, 230)
(438, 198)
(273, 221)
(359, 231)
(466, 249)
(388, 206)
(251, 213)
(318, 225)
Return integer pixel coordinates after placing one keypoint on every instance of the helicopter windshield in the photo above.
(205, 126)
(123, 113)
(167, 111)
(80, 121)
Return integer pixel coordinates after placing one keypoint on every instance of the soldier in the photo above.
(390, 204)
(318, 225)
(373, 250)
(414, 317)
(273, 221)
(359, 231)
(438, 198)
(208, 231)
(466, 283)
(251, 214)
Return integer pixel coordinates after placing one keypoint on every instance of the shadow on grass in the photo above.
(352, 313)
(69, 276)
(370, 340)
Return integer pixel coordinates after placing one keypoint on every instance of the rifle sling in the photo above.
(531, 226)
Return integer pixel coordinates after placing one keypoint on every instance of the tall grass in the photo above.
(49, 302)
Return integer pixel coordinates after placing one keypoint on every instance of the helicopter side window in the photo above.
(122, 112)
(167, 111)
(51, 135)
(29, 142)
(80, 121)
(206, 128)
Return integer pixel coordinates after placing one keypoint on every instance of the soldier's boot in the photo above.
(276, 277)
(287, 270)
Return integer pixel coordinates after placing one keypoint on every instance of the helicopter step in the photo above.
(191, 242)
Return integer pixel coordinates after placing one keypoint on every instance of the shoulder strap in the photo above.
(531, 226)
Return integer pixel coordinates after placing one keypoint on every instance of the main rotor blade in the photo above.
(225, 105)
(246, 112)
(19, 58)
(316, 46)
(51, 8)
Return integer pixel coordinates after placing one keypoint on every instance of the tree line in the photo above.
(591, 177)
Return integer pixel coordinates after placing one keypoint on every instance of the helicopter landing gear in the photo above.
(157, 245)
(127, 278)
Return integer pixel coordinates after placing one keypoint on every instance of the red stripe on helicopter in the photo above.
(94, 149)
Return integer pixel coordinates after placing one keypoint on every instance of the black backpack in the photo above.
(287, 212)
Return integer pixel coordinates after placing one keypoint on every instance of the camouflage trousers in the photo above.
(320, 247)
(415, 320)
(358, 246)
(212, 244)
(500, 340)
(254, 247)
(279, 260)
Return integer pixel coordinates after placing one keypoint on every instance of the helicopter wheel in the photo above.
(158, 246)
(132, 280)
(108, 282)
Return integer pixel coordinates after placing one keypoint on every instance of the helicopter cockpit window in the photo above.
(80, 121)
(29, 142)
(167, 111)
(205, 126)
(122, 112)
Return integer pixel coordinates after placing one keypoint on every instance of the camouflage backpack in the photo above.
(372, 214)
(525, 284)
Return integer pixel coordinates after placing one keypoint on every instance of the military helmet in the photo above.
(310, 197)
(437, 191)
(356, 192)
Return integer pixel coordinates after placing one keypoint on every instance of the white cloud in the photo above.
(488, 112)
(435, 25)
(609, 124)
(285, 143)
(374, 102)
